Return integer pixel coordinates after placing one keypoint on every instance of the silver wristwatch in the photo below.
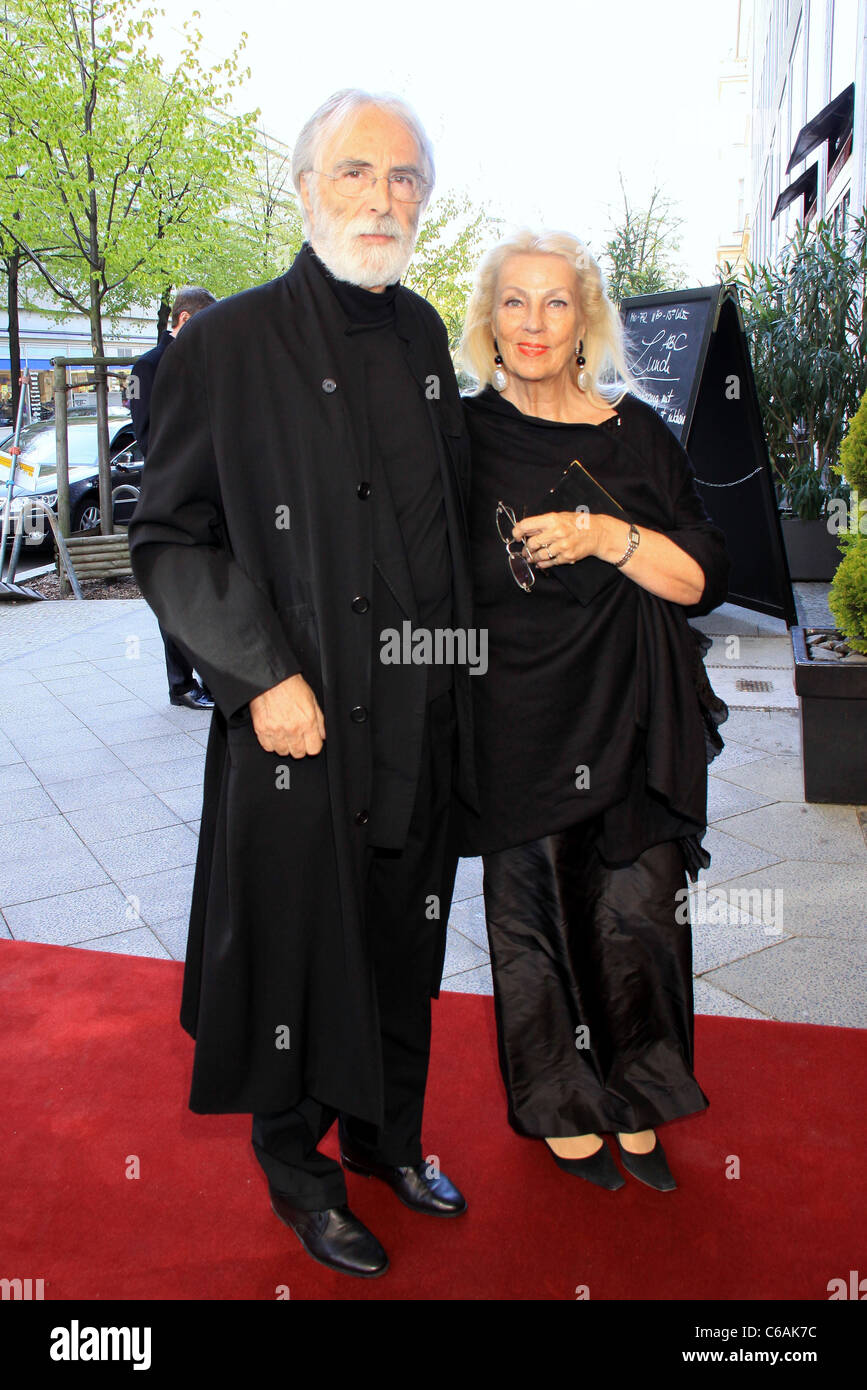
(634, 538)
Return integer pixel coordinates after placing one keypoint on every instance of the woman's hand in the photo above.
(658, 564)
(559, 538)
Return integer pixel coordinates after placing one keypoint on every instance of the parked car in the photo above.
(38, 454)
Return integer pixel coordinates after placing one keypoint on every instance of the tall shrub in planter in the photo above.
(848, 596)
(805, 318)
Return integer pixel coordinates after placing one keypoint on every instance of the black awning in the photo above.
(830, 124)
(806, 183)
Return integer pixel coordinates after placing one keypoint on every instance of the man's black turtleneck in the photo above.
(402, 445)
(362, 307)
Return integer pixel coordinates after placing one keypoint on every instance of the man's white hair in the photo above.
(337, 111)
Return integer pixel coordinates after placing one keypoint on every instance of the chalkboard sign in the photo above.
(667, 337)
(691, 362)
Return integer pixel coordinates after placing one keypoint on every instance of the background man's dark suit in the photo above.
(178, 668)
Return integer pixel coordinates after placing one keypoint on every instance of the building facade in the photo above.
(808, 138)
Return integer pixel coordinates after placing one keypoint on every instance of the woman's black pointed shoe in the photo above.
(650, 1168)
(598, 1167)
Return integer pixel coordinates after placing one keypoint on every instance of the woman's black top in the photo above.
(587, 709)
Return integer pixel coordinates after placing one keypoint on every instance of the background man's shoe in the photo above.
(334, 1237)
(435, 1196)
(196, 698)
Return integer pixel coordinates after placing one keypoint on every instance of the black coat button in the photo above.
(329, 385)
(358, 714)
(363, 491)
(361, 818)
(360, 604)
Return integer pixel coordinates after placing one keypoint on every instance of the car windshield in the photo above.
(41, 449)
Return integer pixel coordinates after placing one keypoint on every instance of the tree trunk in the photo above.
(165, 311)
(13, 262)
(106, 524)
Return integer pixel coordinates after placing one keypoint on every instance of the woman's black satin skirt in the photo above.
(592, 971)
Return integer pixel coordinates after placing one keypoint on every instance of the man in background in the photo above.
(184, 688)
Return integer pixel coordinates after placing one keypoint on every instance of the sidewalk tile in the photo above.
(158, 897)
(63, 767)
(461, 954)
(103, 789)
(476, 981)
(140, 942)
(803, 980)
(140, 853)
(818, 899)
(709, 1000)
(30, 803)
(180, 772)
(468, 917)
(468, 879)
(775, 732)
(66, 918)
(98, 823)
(173, 935)
(725, 799)
(186, 802)
(808, 831)
(731, 857)
(150, 751)
(780, 777)
(16, 776)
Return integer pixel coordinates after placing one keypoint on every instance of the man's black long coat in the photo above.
(251, 541)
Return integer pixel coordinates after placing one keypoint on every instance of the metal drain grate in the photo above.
(754, 687)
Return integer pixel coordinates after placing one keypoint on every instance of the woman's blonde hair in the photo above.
(608, 375)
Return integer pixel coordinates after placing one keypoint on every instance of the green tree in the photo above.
(805, 316)
(110, 151)
(638, 257)
(451, 238)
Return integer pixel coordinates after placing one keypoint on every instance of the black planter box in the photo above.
(812, 551)
(833, 702)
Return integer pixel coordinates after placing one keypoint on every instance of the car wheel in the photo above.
(86, 515)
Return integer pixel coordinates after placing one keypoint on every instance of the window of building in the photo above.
(843, 45)
(796, 84)
(817, 74)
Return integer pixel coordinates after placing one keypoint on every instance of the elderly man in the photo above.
(304, 495)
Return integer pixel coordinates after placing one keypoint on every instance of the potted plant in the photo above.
(831, 667)
(805, 322)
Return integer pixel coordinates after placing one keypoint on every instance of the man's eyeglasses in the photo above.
(521, 570)
(406, 185)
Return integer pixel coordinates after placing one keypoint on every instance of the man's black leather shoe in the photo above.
(334, 1237)
(436, 1196)
(197, 698)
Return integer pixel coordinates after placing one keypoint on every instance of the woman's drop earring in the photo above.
(499, 380)
(582, 363)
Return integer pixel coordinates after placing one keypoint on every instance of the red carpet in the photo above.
(95, 1069)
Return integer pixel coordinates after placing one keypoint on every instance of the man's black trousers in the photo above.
(404, 938)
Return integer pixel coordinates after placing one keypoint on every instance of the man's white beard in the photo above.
(337, 246)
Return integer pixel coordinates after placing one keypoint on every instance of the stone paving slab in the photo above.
(140, 942)
(803, 980)
(727, 799)
(773, 652)
(816, 899)
(780, 777)
(71, 918)
(829, 833)
(707, 999)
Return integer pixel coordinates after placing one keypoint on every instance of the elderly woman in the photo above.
(594, 720)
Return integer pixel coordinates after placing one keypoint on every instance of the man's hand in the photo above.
(287, 719)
